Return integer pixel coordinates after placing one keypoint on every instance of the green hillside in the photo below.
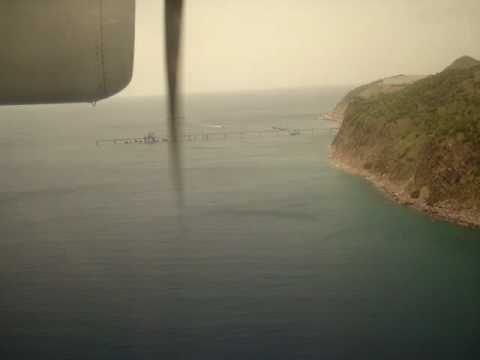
(465, 62)
(382, 86)
(424, 138)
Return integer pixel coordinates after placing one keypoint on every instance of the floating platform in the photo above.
(218, 135)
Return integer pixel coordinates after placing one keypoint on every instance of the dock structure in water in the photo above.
(217, 135)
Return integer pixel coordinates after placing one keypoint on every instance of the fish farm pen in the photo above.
(221, 135)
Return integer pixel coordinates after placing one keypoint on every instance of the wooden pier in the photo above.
(220, 135)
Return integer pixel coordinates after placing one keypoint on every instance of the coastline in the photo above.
(395, 192)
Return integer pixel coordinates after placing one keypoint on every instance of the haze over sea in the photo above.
(277, 255)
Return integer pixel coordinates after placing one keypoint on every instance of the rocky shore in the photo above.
(418, 142)
(444, 211)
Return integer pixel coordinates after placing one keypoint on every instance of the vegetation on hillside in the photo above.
(425, 137)
(441, 105)
(465, 62)
(382, 86)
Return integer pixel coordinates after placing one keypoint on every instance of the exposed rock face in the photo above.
(423, 141)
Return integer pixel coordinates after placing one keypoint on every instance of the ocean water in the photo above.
(277, 254)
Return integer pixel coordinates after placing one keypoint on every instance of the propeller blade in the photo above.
(173, 30)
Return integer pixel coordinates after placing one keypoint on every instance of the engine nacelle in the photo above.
(58, 51)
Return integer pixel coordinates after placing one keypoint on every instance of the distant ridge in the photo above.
(465, 62)
(383, 86)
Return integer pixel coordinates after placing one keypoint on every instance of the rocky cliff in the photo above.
(421, 142)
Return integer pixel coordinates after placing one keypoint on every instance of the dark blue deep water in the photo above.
(277, 255)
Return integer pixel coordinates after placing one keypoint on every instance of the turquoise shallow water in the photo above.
(278, 255)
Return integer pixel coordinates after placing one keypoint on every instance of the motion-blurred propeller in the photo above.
(173, 30)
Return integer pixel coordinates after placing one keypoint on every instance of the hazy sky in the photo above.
(232, 45)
